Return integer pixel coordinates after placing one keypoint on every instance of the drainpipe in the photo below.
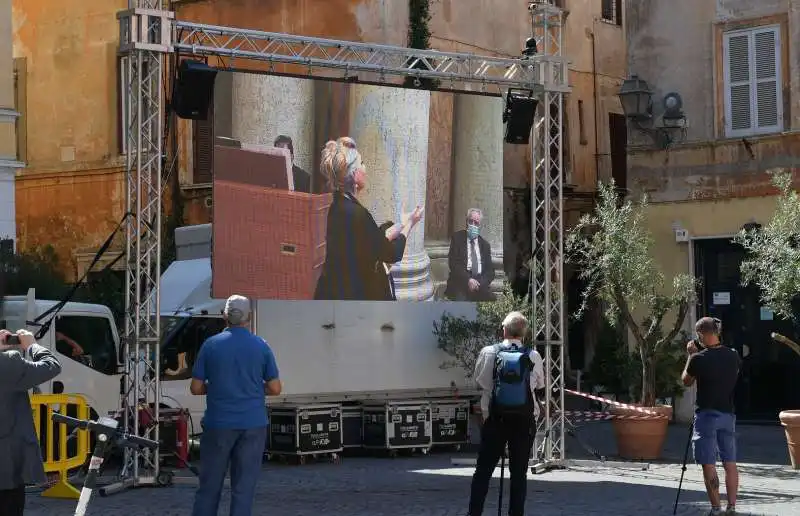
(596, 108)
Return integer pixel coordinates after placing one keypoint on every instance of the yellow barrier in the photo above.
(55, 439)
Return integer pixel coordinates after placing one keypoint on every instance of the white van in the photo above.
(84, 337)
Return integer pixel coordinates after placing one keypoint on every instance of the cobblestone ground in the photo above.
(422, 486)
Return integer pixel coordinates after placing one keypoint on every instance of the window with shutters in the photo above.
(203, 131)
(753, 98)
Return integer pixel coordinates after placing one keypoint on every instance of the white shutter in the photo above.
(768, 99)
(753, 102)
(738, 84)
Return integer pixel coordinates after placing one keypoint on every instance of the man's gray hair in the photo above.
(708, 325)
(515, 324)
(476, 211)
(237, 310)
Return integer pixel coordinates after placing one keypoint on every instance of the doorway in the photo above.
(765, 386)
(618, 140)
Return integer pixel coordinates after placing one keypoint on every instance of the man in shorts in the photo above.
(715, 368)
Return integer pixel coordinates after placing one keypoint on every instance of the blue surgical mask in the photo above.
(473, 231)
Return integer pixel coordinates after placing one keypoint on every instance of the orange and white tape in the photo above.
(578, 416)
(626, 406)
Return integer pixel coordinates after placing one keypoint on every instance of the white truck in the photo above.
(327, 351)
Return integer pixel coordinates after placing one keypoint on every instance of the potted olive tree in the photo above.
(612, 250)
(773, 263)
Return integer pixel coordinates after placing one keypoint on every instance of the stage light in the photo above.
(519, 115)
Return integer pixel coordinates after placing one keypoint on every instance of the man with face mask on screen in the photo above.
(470, 261)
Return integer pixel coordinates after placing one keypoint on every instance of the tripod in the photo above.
(108, 435)
(683, 468)
(500, 493)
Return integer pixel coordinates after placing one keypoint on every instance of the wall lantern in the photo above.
(636, 98)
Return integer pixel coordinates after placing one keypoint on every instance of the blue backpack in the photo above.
(512, 376)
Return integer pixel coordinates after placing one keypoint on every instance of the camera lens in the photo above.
(13, 340)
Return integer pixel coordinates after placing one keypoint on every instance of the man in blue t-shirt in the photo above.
(236, 370)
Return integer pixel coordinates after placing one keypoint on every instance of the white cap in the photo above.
(237, 309)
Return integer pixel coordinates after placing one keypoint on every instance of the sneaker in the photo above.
(715, 510)
(730, 510)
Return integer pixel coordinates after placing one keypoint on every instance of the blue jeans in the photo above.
(243, 451)
(714, 432)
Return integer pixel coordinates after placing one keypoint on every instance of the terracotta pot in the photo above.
(790, 419)
(641, 439)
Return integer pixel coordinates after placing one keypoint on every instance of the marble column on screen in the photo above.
(265, 106)
(440, 165)
(390, 126)
(478, 170)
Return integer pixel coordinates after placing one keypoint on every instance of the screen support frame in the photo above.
(148, 32)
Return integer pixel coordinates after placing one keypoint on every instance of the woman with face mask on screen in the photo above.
(354, 241)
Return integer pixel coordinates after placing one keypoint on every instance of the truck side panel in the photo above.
(330, 347)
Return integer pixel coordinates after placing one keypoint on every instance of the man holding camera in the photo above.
(715, 368)
(23, 365)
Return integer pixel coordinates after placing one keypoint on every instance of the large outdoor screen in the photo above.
(348, 191)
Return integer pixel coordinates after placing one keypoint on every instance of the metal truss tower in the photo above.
(148, 32)
(145, 38)
(547, 268)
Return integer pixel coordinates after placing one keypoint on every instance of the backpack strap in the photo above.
(497, 348)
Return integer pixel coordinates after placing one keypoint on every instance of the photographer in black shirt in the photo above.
(715, 368)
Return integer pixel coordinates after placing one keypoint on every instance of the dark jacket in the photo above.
(302, 180)
(457, 281)
(20, 455)
(384, 283)
(354, 245)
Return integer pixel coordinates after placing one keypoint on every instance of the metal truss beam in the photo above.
(315, 56)
(548, 231)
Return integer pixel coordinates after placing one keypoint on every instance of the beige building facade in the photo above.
(10, 161)
(734, 64)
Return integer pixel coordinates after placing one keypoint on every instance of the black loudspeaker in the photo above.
(518, 116)
(193, 90)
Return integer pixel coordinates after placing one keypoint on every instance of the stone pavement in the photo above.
(430, 486)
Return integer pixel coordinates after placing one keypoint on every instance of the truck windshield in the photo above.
(89, 340)
(182, 343)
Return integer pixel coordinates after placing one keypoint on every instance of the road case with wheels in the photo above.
(305, 430)
(352, 426)
(395, 425)
(450, 422)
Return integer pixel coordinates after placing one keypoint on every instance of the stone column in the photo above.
(478, 170)
(390, 126)
(265, 106)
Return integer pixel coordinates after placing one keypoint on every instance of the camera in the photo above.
(12, 340)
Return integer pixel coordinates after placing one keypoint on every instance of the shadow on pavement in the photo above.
(756, 444)
(425, 486)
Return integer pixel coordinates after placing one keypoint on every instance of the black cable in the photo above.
(55, 309)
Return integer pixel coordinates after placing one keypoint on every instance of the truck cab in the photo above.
(84, 337)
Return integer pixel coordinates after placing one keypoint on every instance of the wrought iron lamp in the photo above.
(636, 98)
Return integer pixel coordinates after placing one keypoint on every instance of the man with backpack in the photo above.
(508, 374)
